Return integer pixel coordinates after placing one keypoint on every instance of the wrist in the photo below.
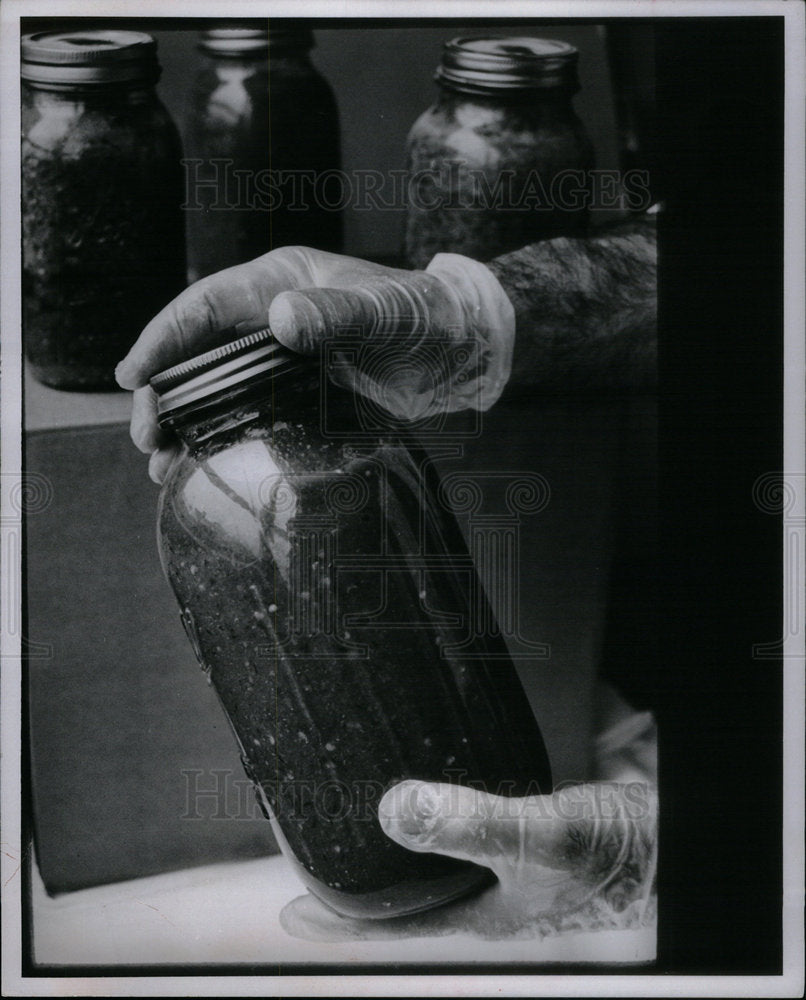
(489, 318)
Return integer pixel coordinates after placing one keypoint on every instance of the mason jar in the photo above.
(501, 159)
(328, 594)
(261, 129)
(102, 231)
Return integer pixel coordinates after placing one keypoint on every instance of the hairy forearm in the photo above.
(586, 309)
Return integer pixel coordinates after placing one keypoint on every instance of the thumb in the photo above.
(301, 321)
(397, 303)
(471, 825)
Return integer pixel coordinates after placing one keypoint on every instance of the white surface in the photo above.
(229, 913)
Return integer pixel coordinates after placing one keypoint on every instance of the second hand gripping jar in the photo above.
(326, 592)
(501, 159)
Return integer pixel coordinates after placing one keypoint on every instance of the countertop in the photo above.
(48, 409)
(229, 914)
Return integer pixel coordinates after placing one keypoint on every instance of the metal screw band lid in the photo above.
(221, 369)
(486, 65)
(88, 57)
(235, 41)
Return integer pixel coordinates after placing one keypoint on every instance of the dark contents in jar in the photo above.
(305, 145)
(501, 159)
(102, 230)
(327, 628)
(102, 249)
(260, 124)
(485, 185)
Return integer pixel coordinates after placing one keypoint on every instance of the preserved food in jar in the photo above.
(327, 593)
(262, 125)
(501, 160)
(102, 232)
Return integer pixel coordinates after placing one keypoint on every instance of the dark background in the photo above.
(720, 101)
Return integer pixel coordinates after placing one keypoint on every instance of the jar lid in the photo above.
(241, 41)
(222, 369)
(489, 65)
(88, 57)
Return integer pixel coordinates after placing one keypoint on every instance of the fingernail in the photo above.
(156, 469)
(142, 434)
(409, 809)
(297, 322)
(124, 375)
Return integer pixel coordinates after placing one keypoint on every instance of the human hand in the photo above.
(583, 858)
(307, 296)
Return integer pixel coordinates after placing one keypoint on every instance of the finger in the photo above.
(160, 463)
(471, 825)
(144, 428)
(202, 317)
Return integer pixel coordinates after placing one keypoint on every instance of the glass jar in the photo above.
(102, 232)
(259, 114)
(501, 160)
(326, 591)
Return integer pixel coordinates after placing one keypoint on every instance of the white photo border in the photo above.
(515, 984)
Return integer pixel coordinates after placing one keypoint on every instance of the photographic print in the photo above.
(402, 498)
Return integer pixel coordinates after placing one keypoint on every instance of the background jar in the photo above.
(258, 113)
(102, 231)
(501, 159)
(327, 592)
